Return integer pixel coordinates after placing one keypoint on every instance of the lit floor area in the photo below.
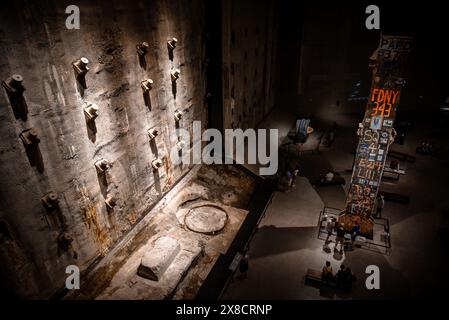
(286, 243)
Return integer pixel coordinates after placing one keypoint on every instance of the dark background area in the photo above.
(429, 63)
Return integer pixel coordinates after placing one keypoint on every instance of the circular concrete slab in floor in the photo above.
(208, 219)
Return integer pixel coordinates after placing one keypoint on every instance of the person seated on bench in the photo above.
(329, 179)
(327, 275)
(331, 134)
(329, 176)
(394, 164)
(425, 148)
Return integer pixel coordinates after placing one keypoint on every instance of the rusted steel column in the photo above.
(376, 131)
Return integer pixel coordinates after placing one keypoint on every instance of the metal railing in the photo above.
(384, 243)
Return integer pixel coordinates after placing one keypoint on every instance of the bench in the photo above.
(296, 138)
(397, 171)
(359, 241)
(315, 275)
(395, 197)
(401, 156)
(394, 174)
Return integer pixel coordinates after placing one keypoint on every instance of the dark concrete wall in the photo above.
(334, 56)
(336, 47)
(289, 52)
(36, 44)
(250, 32)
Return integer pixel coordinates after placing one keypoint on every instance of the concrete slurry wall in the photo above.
(36, 44)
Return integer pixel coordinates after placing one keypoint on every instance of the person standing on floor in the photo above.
(289, 180)
(295, 174)
(349, 279)
(341, 277)
(340, 237)
(244, 264)
(380, 206)
(330, 226)
(355, 232)
(320, 139)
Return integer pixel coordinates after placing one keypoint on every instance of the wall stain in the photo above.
(90, 218)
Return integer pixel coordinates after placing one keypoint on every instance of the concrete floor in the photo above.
(116, 276)
(286, 242)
